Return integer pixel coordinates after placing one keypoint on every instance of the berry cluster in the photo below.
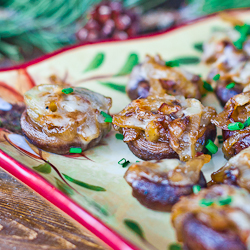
(109, 20)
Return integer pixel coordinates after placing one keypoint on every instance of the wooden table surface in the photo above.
(29, 222)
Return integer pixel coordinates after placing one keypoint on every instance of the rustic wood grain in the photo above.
(29, 222)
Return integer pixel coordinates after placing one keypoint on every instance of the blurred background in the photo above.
(31, 28)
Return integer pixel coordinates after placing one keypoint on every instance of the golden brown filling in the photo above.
(236, 171)
(172, 172)
(237, 109)
(164, 79)
(175, 120)
(70, 117)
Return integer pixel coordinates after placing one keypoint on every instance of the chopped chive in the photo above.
(225, 201)
(173, 63)
(220, 138)
(137, 161)
(75, 150)
(247, 122)
(207, 86)
(211, 147)
(230, 85)
(238, 44)
(123, 162)
(203, 95)
(196, 189)
(235, 126)
(119, 136)
(206, 203)
(216, 77)
(67, 91)
(105, 114)
(108, 118)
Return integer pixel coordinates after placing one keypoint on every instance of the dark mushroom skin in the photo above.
(235, 110)
(158, 187)
(235, 172)
(55, 121)
(153, 77)
(198, 236)
(147, 150)
(225, 94)
(217, 226)
(157, 127)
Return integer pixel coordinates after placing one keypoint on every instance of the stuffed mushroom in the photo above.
(229, 72)
(153, 77)
(233, 121)
(235, 172)
(165, 126)
(160, 184)
(58, 119)
(215, 218)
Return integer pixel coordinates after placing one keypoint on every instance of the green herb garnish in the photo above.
(244, 31)
(211, 147)
(123, 162)
(224, 201)
(235, 126)
(196, 189)
(75, 150)
(108, 118)
(207, 86)
(119, 136)
(230, 85)
(206, 203)
(247, 122)
(220, 138)
(216, 77)
(67, 91)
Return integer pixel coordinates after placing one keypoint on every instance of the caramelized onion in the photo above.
(153, 77)
(166, 127)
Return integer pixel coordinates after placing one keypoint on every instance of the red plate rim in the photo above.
(51, 193)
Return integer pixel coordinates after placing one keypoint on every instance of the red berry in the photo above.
(92, 25)
(82, 34)
(93, 35)
(108, 28)
(120, 35)
(123, 22)
(104, 12)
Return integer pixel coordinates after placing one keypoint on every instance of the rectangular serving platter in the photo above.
(90, 187)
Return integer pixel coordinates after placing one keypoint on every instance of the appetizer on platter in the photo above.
(64, 120)
(215, 218)
(234, 122)
(228, 50)
(160, 184)
(235, 172)
(155, 76)
(165, 126)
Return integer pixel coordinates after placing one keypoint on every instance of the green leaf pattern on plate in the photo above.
(64, 187)
(43, 168)
(115, 86)
(132, 60)
(188, 60)
(198, 47)
(83, 184)
(135, 227)
(175, 246)
(96, 62)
